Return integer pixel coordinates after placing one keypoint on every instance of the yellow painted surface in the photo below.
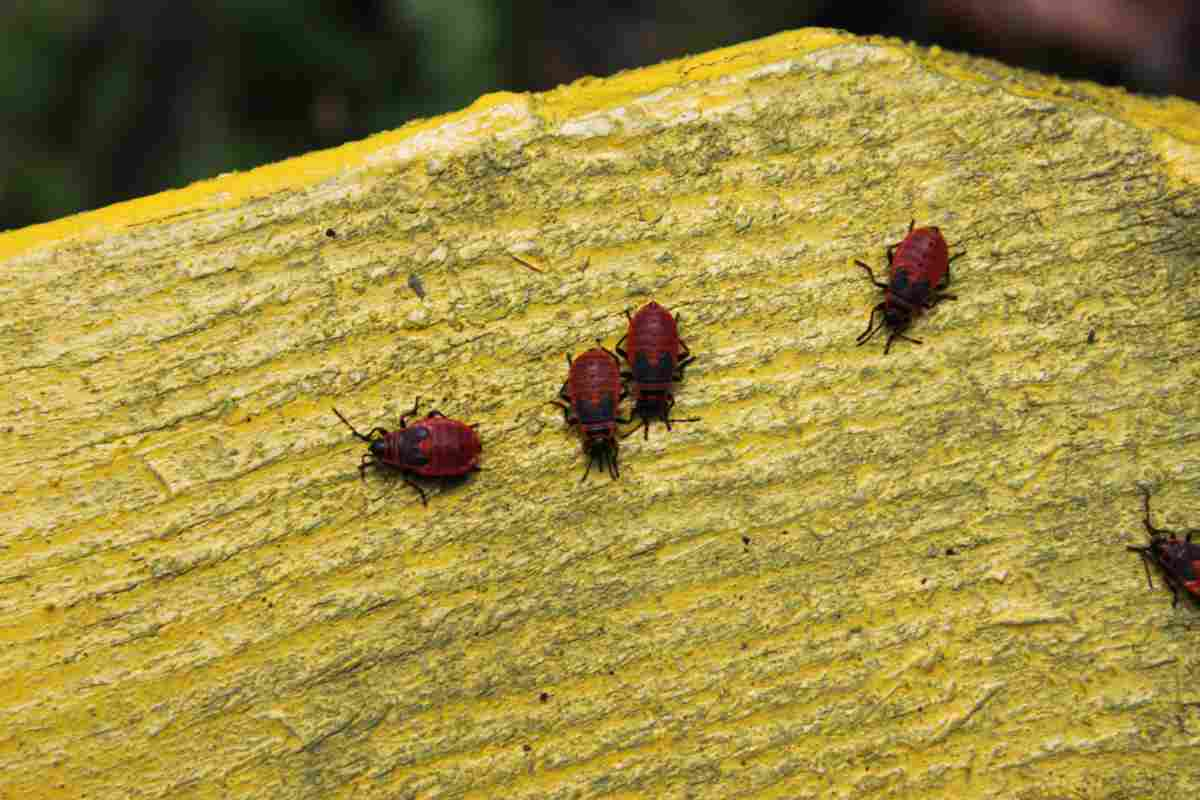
(857, 576)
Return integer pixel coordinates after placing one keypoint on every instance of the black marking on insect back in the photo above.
(592, 413)
(652, 402)
(410, 445)
(645, 372)
(1180, 557)
(899, 281)
(918, 293)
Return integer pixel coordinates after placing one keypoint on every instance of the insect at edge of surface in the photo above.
(656, 359)
(1177, 559)
(918, 271)
(590, 398)
(432, 447)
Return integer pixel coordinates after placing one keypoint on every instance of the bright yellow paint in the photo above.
(856, 576)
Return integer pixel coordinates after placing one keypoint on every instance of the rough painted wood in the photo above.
(857, 577)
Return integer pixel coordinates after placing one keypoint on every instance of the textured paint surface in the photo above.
(856, 577)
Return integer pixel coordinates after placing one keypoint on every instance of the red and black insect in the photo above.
(589, 398)
(918, 271)
(656, 360)
(1178, 559)
(433, 447)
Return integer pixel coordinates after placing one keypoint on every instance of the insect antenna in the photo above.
(351, 427)
(591, 458)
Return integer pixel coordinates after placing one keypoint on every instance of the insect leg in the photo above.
(872, 274)
(362, 467)
(893, 336)
(1144, 552)
(685, 356)
(564, 402)
(600, 344)
(642, 423)
(946, 280)
(937, 298)
(404, 419)
(871, 327)
(667, 415)
(420, 491)
(566, 409)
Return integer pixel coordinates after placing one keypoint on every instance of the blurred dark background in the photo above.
(106, 100)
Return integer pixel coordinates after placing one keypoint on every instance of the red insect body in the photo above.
(433, 447)
(1178, 559)
(589, 399)
(918, 270)
(656, 359)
